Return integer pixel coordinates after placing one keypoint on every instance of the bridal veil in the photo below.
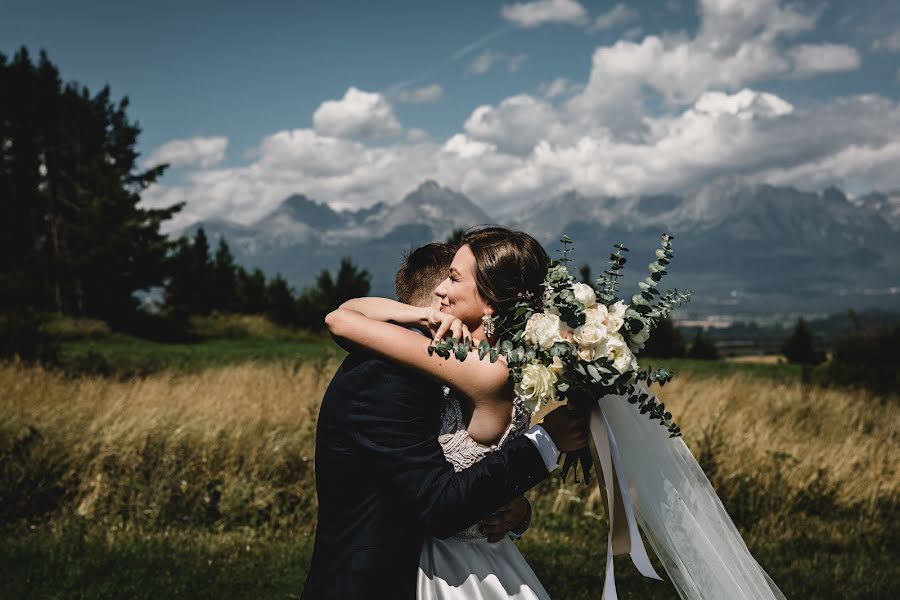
(664, 489)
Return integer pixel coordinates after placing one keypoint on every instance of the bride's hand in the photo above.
(442, 323)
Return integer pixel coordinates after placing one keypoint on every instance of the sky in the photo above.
(357, 102)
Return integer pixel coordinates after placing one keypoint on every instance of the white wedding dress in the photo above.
(466, 566)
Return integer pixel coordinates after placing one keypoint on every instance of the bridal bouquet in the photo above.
(577, 342)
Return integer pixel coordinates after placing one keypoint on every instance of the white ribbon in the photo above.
(618, 500)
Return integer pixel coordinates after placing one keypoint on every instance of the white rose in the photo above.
(618, 352)
(590, 335)
(585, 294)
(537, 387)
(543, 329)
(589, 354)
(615, 316)
(595, 314)
(591, 340)
(556, 366)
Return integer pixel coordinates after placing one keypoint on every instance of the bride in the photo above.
(492, 267)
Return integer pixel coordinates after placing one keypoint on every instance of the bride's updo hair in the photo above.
(508, 264)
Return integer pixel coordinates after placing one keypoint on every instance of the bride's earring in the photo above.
(488, 323)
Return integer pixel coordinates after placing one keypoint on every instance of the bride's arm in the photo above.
(480, 380)
(385, 309)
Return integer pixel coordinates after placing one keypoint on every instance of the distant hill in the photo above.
(739, 247)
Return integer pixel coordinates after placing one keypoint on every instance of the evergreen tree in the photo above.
(224, 277)
(72, 238)
(190, 287)
(251, 291)
(798, 347)
(456, 236)
(329, 293)
(702, 347)
(202, 291)
(585, 273)
(351, 282)
(665, 341)
(282, 306)
(178, 290)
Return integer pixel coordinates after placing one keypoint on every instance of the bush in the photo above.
(867, 359)
(24, 335)
(665, 341)
(703, 347)
(798, 348)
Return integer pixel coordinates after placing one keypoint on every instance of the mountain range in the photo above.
(740, 247)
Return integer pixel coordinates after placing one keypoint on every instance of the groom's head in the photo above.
(421, 271)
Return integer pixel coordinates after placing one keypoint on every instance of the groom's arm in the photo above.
(389, 421)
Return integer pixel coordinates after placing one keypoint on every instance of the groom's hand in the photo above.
(507, 517)
(567, 427)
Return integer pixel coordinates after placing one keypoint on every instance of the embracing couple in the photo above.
(421, 462)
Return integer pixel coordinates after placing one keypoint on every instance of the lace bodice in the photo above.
(462, 451)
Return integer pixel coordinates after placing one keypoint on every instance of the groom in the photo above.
(381, 478)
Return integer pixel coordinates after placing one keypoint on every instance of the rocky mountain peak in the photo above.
(303, 209)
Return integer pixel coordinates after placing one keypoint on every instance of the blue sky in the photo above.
(356, 102)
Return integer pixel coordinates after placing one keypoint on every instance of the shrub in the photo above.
(867, 359)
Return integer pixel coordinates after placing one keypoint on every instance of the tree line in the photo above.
(202, 281)
(75, 241)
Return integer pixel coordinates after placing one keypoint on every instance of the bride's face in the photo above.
(458, 293)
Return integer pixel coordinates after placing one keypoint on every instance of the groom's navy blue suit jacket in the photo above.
(383, 484)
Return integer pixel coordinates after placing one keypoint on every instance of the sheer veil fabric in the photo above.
(679, 512)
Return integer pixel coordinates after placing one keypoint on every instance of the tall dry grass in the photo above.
(228, 446)
(194, 484)
(234, 446)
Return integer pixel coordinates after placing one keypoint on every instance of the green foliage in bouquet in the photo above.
(577, 341)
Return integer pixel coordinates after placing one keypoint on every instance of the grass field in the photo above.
(198, 482)
(89, 347)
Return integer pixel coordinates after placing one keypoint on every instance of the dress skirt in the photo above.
(474, 569)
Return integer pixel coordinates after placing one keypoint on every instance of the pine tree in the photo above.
(702, 347)
(202, 290)
(73, 237)
(328, 293)
(665, 341)
(282, 307)
(251, 291)
(799, 348)
(190, 287)
(351, 282)
(456, 236)
(224, 278)
(585, 273)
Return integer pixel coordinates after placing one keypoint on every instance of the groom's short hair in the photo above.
(421, 271)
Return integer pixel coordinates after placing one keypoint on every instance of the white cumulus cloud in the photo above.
(617, 15)
(533, 14)
(516, 125)
(359, 114)
(605, 132)
(561, 86)
(428, 93)
(195, 151)
(812, 59)
(486, 59)
(889, 43)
